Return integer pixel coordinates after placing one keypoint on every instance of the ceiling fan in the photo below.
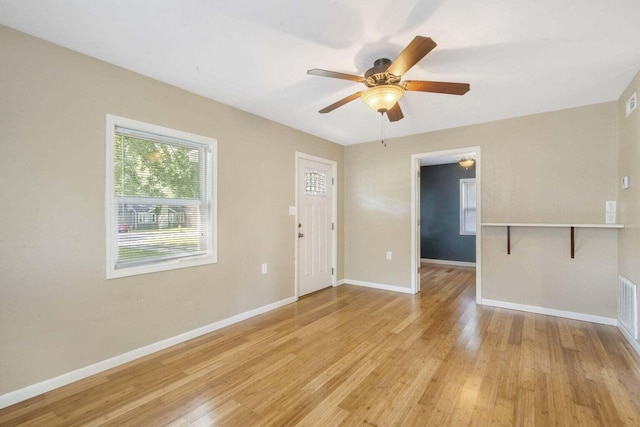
(384, 81)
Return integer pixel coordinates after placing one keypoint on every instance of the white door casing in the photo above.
(315, 223)
(415, 212)
(415, 283)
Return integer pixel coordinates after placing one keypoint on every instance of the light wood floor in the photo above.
(357, 356)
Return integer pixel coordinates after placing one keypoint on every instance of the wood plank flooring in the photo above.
(357, 356)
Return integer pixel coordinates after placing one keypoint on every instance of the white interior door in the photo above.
(315, 230)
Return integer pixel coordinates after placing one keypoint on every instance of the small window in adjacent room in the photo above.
(160, 198)
(468, 206)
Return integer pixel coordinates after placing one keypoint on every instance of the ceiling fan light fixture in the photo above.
(382, 98)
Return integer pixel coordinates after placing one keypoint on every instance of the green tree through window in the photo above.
(162, 191)
(153, 169)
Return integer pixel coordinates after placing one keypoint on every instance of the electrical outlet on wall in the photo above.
(389, 256)
(264, 268)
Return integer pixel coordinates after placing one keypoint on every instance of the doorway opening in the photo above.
(441, 158)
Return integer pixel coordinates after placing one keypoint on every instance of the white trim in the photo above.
(340, 282)
(334, 216)
(448, 262)
(552, 312)
(211, 257)
(415, 213)
(415, 227)
(33, 390)
(629, 338)
(382, 286)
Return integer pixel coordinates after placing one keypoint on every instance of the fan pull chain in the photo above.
(384, 144)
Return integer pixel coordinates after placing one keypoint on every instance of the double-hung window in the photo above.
(160, 198)
(468, 206)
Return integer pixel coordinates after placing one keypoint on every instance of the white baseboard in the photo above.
(448, 262)
(340, 282)
(378, 286)
(634, 343)
(552, 312)
(79, 374)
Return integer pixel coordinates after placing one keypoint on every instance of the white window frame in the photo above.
(111, 221)
(464, 230)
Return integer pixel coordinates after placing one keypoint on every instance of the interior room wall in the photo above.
(555, 167)
(440, 237)
(58, 313)
(629, 199)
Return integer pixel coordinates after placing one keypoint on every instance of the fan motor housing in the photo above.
(378, 75)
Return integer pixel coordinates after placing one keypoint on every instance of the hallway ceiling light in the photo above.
(466, 162)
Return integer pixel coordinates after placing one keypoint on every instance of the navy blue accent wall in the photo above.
(440, 214)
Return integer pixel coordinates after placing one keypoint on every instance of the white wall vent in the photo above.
(628, 306)
(632, 103)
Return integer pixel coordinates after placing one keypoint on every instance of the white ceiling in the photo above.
(520, 56)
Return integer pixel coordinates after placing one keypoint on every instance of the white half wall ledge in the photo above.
(552, 312)
(381, 286)
(33, 390)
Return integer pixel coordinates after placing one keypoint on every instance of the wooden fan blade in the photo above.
(341, 102)
(414, 52)
(395, 113)
(437, 87)
(335, 75)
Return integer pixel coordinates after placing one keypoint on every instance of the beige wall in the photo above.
(57, 311)
(557, 167)
(629, 199)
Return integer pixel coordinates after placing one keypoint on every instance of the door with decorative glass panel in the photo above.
(315, 228)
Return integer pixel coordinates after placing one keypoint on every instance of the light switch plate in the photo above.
(292, 210)
(610, 218)
(610, 206)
